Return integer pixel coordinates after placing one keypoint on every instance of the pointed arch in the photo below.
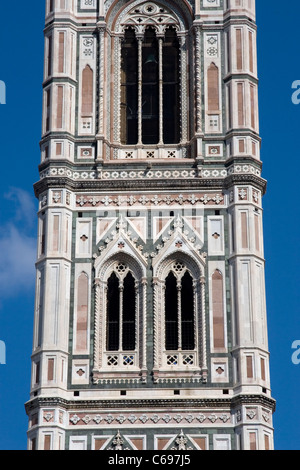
(129, 313)
(120, 318)
(150, 110)
(87, 91)
(179, 316)
(171, 313)
(213, 100)
(82, 312)
(218, 310)
(113, 313)
(187, 312)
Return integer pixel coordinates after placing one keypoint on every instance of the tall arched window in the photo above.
(150, 104)
(121, 313)
(128, 314)
(129, 89)
(179, 310)
(150, 88)
(179, 317)
(171, 100)
(187, 312)
(171, 313)
(113, 313)
(120, 318)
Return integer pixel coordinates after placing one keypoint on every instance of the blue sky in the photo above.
(21, 68)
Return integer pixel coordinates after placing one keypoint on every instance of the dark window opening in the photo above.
(129, 89)
(113, 313)
(150, 89)
(171, 88)
(171, 313)
(179, 334)
(187, 312)
(121, 313)
(129, 313)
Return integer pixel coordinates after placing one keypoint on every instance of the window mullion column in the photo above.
(203, 328)
(160, 85)
(179, 314)
(140, 85)
(121, 289)
(183, 88)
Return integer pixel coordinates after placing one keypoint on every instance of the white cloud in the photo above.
(16, 261)
(18, 246)
(24, 211)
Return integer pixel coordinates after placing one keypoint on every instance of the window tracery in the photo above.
(179, 319)
(120, 309)
(179, 310)
(150, 90)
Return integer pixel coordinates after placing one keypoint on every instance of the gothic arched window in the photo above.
(179, 317)
(179, 312)
(129, 89)
(187, 313)
(121, 313)
(113, 313)
(150, 103)
(171, 312)
(120, 318)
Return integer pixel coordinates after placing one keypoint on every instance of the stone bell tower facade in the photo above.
(150, 324)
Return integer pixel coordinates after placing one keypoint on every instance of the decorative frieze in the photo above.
(148, 174)
(128, 419)
(150, 153)
(91, 200)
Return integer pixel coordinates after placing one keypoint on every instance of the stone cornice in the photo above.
(128, 184)
(254, 400)
(144, 184)
(127, 403)
(200, 403)
(254, 180)
(231, 19)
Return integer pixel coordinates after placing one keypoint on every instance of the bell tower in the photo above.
(150, 324)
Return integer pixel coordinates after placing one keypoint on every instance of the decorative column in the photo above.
(143, 329)
(155, 324)
(203, 330)
(198, 80)
(117, 88)
(183, 88)
(121, 289)
(100, 133)
(160, 84)
(140, 84)
(198, 91)
(179, 314)
(97, 326)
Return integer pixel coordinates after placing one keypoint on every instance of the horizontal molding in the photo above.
(200, 403)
